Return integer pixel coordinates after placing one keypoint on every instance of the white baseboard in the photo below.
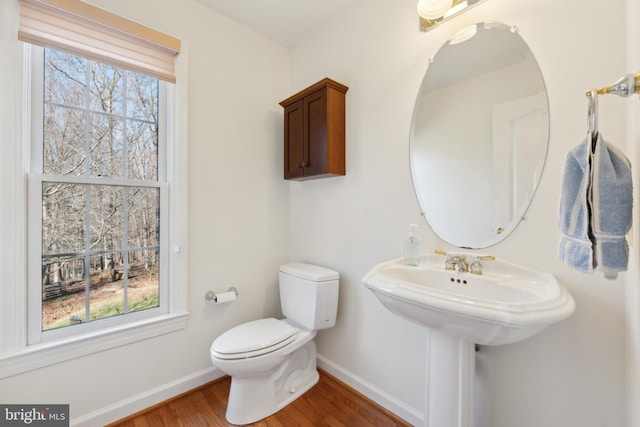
(139, 402)
(401, 409)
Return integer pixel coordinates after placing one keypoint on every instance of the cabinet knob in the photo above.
(303, 165)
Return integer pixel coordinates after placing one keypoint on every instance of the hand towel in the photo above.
(576, 247)
(596, 205)
(612, 206)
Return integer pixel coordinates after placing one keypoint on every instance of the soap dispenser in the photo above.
(412, 247)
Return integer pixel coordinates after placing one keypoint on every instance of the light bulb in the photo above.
(433, 9)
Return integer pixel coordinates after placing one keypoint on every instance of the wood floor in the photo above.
(328, 403)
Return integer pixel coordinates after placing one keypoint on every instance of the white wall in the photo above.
(241, 225)
(572, 374)
(238, 216)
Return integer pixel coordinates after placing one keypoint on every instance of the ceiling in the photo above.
(283, 21)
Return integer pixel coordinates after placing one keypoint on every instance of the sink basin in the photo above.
(506, 304)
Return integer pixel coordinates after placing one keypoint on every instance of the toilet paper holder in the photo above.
(212, 297)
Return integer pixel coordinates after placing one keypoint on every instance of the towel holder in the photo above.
(592, 111)
(624, 87)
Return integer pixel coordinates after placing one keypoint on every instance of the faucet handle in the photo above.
(450, 263)
(476, 266)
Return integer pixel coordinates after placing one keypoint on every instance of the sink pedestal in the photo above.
(451, 367)
(506, 304)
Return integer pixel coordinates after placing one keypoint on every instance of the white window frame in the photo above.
(21, 349)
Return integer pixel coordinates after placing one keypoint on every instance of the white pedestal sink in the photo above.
(506, 304)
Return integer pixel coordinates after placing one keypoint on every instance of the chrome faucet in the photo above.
(456, 263)
(461, 262)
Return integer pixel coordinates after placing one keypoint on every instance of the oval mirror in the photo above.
(479, 135)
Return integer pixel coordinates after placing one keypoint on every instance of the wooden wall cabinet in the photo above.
(314, 131)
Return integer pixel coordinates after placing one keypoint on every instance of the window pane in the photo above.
(107, 150)
(107, 88)
(107, 217)
(64, 78)
(142, 155)
(63, 291)
(64, 141)
(63, 218)
(144, 220)
(143, 286)
(142, 97)
(107, 297)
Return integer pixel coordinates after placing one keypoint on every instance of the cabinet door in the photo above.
(315, 138)
(314, 131)
(294, 125)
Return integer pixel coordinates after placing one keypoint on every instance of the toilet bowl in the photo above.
(272, 362)
(265, 379)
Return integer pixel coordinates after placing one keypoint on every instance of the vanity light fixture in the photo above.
(434, 12)
(433, 9)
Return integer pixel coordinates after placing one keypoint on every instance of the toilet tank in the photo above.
(309, 295)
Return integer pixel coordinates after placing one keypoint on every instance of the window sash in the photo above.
(35, 334)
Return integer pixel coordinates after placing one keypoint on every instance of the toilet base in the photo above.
(252, 399)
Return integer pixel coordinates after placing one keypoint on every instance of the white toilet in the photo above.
(272, 362)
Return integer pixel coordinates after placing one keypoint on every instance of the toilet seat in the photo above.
(253, 339)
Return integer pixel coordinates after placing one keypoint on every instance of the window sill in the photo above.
(50, 353)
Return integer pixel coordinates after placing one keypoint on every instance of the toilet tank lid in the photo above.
(309, 271)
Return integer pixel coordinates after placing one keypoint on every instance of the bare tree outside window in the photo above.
(100, 242)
